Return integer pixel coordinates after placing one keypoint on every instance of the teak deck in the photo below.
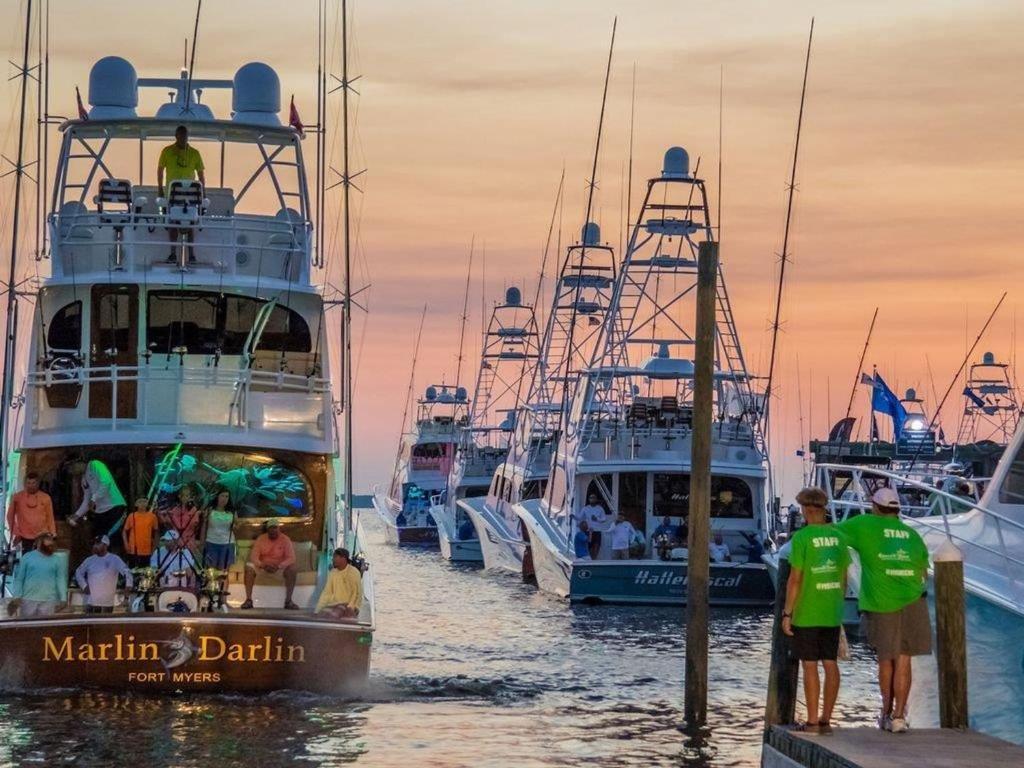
(872, 748)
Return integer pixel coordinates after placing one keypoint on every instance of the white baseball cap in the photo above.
(171, 535)
(886, 498)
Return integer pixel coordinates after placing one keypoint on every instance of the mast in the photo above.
(347, 307)
(785, 241)
(12, 308)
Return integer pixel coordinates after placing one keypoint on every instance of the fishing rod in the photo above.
(785, 243)
(963, 365)
(192, 58)
(465, 314)
(408, 394)
(860, 369)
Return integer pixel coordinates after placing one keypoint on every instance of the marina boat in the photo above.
(990, 535)
(509, 356)
(625, 445)
(579, 302)
(179, 349)
(426, 455)
(991, 410)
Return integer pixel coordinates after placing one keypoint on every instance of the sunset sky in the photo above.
(911, 177)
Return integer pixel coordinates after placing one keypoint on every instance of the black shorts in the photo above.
(815, 643)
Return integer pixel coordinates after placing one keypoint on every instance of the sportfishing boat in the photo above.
(990, 537)
(579, 302)
(624, 449)
(510, 351)
(179, 349)
(991, 410)
(425, 457)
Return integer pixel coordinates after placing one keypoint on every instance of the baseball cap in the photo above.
(101, 540)
(886, 498)
(170, 536)
(812, 497)
(272, 523)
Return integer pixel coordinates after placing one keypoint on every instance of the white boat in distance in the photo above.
(180, 347)
(627, 438)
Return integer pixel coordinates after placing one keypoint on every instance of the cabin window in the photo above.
(633, 498)
(475, 492)
(113, 323)
(1011, 491)
(731, 497)
(534, 489)
(431, 457)
(65, 331)
(205, 322)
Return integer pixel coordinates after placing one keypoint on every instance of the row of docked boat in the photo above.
(593, 421)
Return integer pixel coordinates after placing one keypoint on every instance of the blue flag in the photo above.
(884, 400)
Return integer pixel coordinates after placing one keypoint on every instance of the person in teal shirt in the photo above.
(40, 581)
(815, 593)
(894, 567)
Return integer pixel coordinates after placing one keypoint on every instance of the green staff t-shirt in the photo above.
(893, 561)
(821, 554)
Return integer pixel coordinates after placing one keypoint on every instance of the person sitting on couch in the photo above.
(272, 552)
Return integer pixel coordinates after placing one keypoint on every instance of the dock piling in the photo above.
(783, 672)
(951, 636)
(698, 563)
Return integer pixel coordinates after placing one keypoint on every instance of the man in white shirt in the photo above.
(595, 516)
(175, 565)
(719, 550)
(97, 575)
(622, 537)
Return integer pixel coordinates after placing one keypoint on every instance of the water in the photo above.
(469, 670)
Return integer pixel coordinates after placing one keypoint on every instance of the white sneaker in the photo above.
(885, 723)
(899, 725)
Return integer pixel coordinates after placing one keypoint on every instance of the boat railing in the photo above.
(132, 396)
(131, 242)
(985, 537)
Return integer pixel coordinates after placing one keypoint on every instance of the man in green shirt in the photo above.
(179, 161)
(815, 593)
(894, 566)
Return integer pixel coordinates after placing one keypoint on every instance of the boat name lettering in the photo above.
(668, 579)
(208, 648)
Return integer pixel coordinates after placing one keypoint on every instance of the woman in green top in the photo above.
(218, 532)
(815, 593)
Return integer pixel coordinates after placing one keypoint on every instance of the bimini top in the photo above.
(114, 99)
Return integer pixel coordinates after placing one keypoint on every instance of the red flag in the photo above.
(82, 114)
(294, 120)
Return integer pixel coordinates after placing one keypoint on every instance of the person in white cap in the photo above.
(175, 565)
(97, 576)
(894, 566)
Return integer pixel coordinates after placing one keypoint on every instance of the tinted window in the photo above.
(731, 497)
(65, 331)
(203, 322)
(1012, 489)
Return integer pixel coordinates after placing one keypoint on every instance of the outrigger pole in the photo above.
(347, 308)
(784, 256)
(10, 330)
(465, 314)
(860, 366)
(408, 394)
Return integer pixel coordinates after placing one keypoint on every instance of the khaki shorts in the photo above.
(906, 632)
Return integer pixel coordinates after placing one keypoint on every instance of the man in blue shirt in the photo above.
(581, 541)
(666, 529)
(40, 583)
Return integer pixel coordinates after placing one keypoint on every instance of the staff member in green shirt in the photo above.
(813, 614)
(179, 161)
(894, 566)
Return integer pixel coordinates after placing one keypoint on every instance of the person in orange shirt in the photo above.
(30, 514)
(139, 534)
(272, 552)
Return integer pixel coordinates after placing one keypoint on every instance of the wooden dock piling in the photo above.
(951, 636)
(695, 706)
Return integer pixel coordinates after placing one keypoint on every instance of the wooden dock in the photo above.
(872, 748)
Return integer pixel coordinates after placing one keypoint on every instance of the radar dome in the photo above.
(677, 164)
(591, 234)
(431, 393)
(988, 359)
(113, 88)
(461, 393)
(256, 95)
(911, 394)
(513, 297)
